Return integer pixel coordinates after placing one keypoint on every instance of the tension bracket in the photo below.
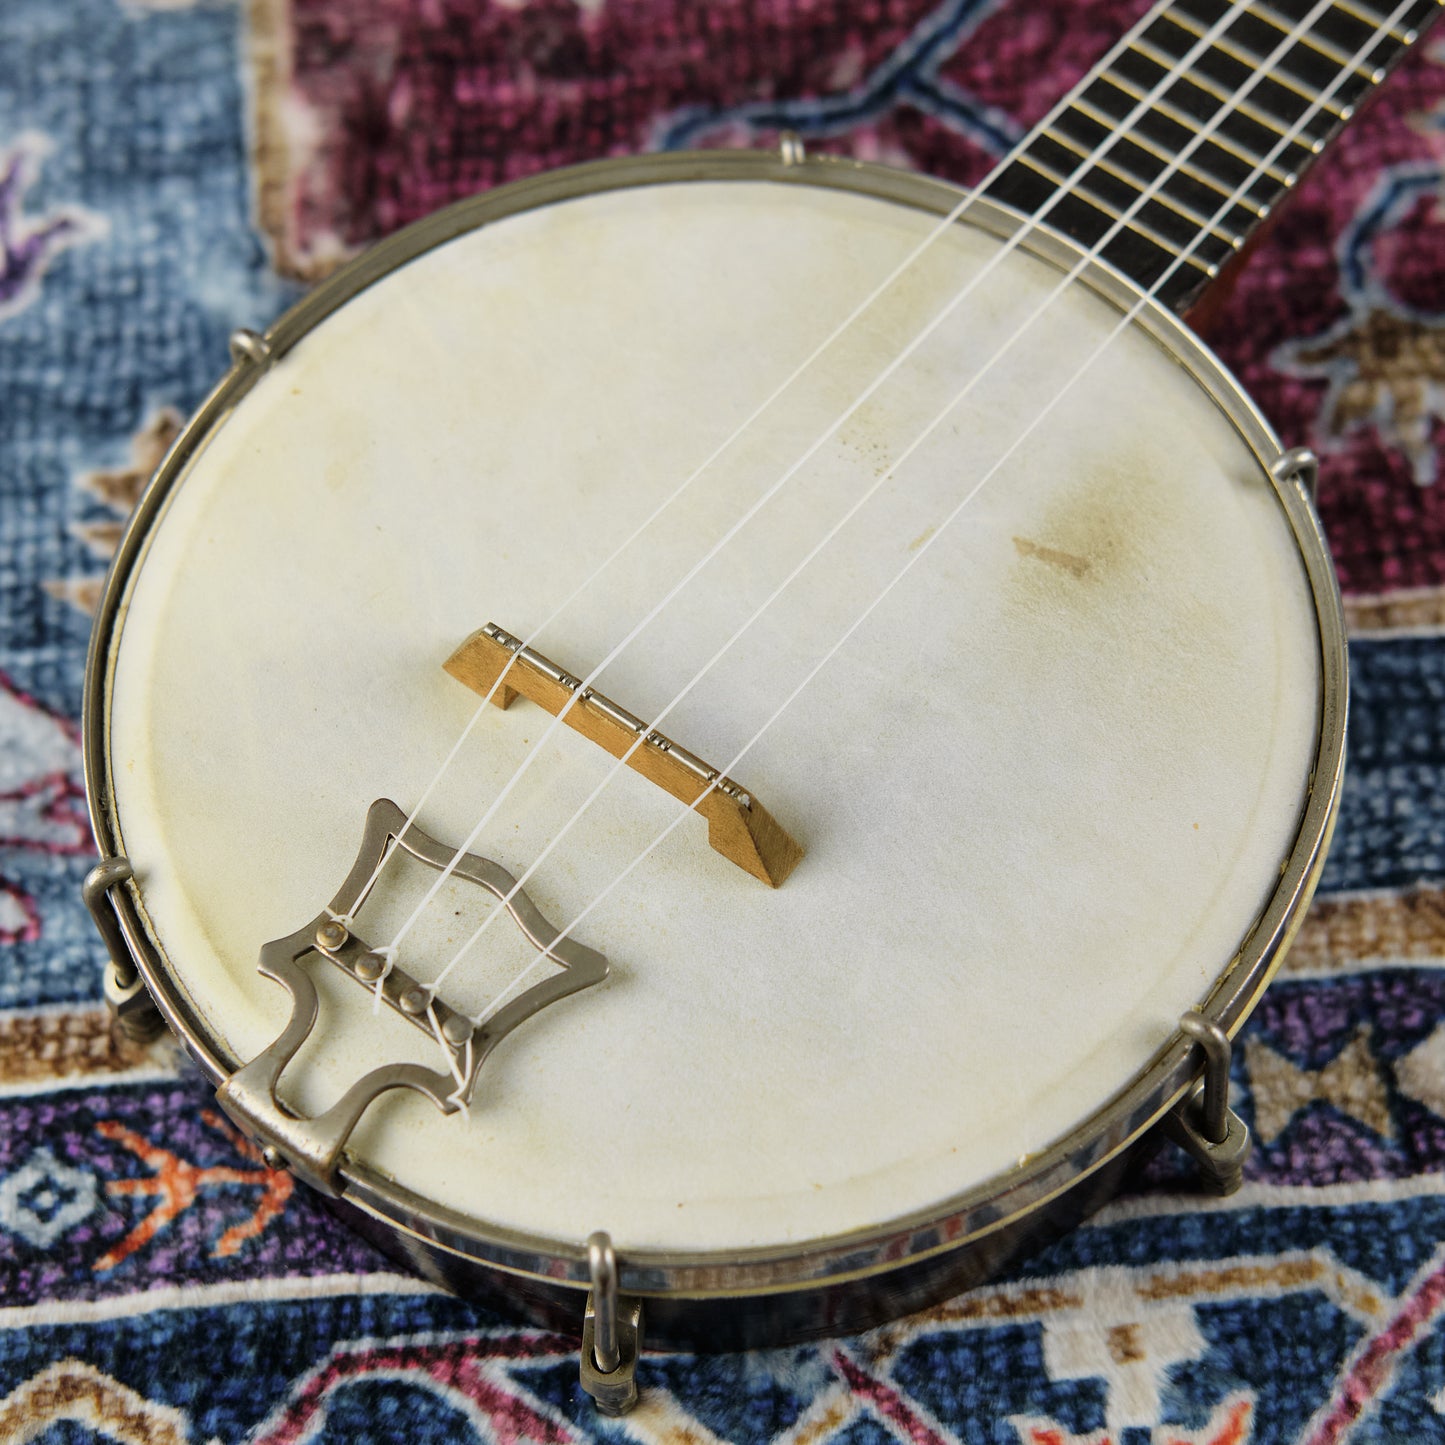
(1203, 1124)
(611, 1333)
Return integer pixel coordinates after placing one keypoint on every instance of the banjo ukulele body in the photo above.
(1032, 648)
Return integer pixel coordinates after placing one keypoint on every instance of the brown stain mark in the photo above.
(40, 1047)
(1111, 522)
(1076, 528)
(72, 1390)
(1142, 610)
(1076, 566)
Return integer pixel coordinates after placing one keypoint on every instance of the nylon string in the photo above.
(1123, 323)
(389, 952)
(766, 404)
(1062, 286)
(963, 205)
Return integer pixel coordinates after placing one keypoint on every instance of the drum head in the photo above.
(1051, 673)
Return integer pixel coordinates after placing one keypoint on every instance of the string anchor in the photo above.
(791, 150)
(1298, 464)
(312, 1147)
(131, 1005)
(611, 1333)
(1202, 1123)
(250, 348)
(495, 664)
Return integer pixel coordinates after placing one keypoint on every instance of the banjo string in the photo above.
(898, 462)
(1124, 322)
(866, 304)
(389, 952)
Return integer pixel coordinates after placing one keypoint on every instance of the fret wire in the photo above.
(1137, 137)
(1327, 48)
(1354, 37)
(1098, 203)
(1187, 23)
(1377, 22)
(1199, 219)
(1155, 56)
(1308, 68)
(1243, 154)
(1243, 56)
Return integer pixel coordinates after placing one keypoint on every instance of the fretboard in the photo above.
(1226, 184)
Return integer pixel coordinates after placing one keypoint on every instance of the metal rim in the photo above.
(954, 1223)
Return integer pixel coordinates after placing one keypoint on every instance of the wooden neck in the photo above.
(1345, 50)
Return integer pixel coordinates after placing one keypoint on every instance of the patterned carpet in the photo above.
(170, 171)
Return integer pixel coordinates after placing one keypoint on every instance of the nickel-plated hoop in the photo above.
(782, 1287)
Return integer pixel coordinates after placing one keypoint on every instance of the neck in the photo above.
(1229, 110)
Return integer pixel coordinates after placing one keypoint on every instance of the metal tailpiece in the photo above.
(311, 1147)
(130, 1003)
(1203, 1124)
(1298, 464)
(791, 149)
(611, 1333)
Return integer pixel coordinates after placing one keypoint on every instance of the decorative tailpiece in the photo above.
(311, 1148)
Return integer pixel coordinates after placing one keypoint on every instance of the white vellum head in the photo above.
(1045, 787)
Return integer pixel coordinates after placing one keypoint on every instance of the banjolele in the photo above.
(915, 545)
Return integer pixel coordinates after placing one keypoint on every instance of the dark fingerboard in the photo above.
(1227, 184)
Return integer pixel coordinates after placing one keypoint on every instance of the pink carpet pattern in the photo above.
(172, 170)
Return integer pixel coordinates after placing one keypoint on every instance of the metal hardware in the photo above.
(1283, 179)
(611, 1333)
(1298, 464)
(1317, 43)
(1199, 176)
(791, 148)
(1365, 17)
(250, 346)
(739, 827)
(1201, 81)
(1140, 185)
(369, 966)
(1140, 228)
(602, 1263)
(1203, 1124)
(312, 1147)
(766, 1295)
(124, 989)
(332, 934)
(95, 893)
